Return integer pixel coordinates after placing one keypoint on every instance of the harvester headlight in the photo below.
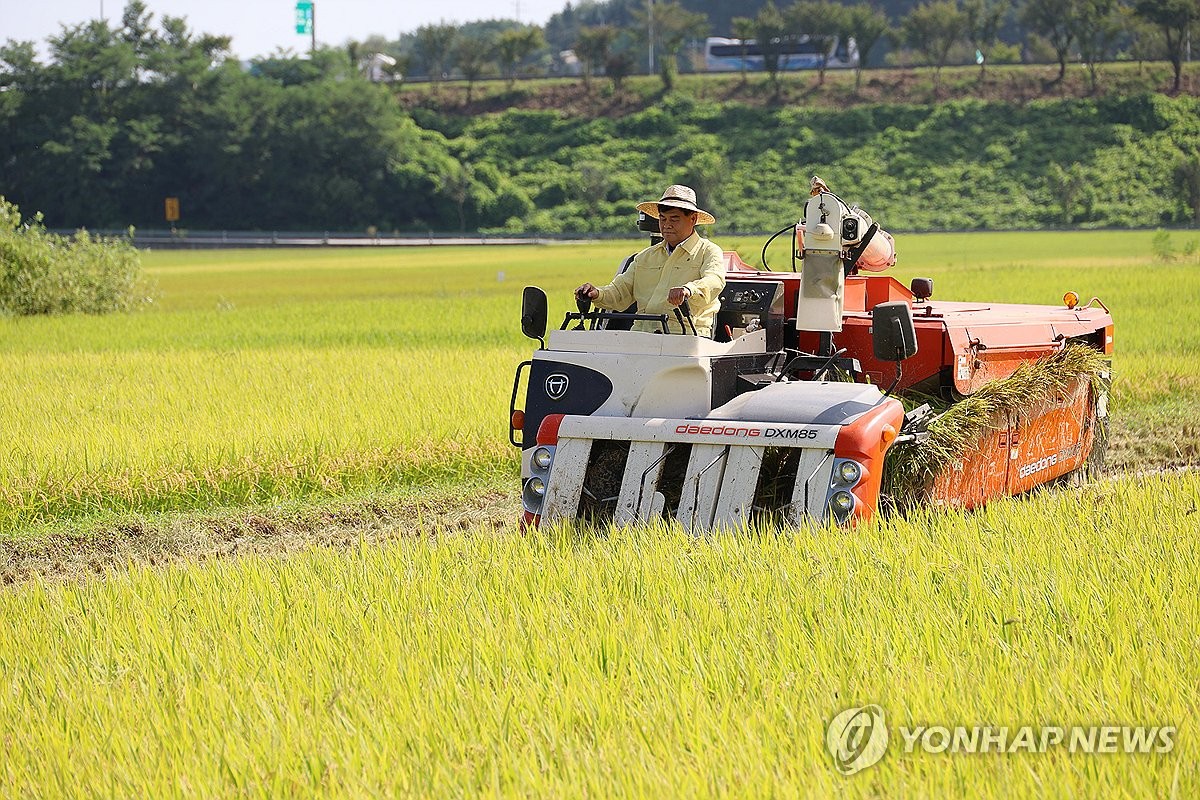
(842, 501)
(849, 472)
(542, 458)
(533, 494)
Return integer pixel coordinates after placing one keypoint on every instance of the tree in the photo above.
(1096, 25)
(514, 46)
(618, 67)
(592, 46)
(137, 33)
(456, 184)
(1145, 39)
(472, 54)
(771, 32)
(92, 61)
(434, 47)
(19, 66)
(150, 110)
(934, 28)
(820, 21)
(743, 31)
(1175, 18)
(1051, 19)
(672, 26)
(183, 58)
(984, 19)
(867, 25)
(1066, 186)
(706, 171)
(288, 69)
(1187, 181)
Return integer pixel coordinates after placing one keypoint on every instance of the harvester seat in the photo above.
(621, 324)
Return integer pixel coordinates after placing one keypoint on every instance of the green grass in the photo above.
(632, 663)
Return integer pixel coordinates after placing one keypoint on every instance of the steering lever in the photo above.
(584, 304)
(687, 313)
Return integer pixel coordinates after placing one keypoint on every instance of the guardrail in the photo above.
(198, 240)
(182, 240)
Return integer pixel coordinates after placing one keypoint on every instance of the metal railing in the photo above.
(181, 239)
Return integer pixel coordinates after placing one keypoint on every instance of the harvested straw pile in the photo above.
(911, 469)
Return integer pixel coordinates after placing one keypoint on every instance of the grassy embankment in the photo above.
(639, 663)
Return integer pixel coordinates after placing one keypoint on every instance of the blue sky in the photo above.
(259, 27)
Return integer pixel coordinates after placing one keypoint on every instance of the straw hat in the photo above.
(677, 196)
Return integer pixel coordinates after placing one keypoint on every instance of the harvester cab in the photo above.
(780, 416)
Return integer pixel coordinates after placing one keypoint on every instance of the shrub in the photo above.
(1162, 247)
(44, 273)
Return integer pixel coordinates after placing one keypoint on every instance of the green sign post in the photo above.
(306, 20)
(304, 17)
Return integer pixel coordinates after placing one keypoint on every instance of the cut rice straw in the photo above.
(912, 468)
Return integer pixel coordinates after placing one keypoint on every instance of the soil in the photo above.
(86, 549)
(95, 549)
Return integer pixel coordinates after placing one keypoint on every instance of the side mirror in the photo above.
(893, 333)
(922, 289)
(647, 223)
(533, 313)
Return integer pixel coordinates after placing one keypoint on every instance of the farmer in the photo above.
(681, 267)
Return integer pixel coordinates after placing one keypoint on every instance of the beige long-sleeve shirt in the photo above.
(695, 262)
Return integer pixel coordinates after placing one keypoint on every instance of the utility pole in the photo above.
(312, 50)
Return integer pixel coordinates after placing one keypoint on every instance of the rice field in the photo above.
(264, 393)
(641, 663)
(263, 376)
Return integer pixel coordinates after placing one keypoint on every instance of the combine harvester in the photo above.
(793, 411)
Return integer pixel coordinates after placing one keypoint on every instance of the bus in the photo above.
(804, 52)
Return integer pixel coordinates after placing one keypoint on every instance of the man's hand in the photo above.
(677, 295)
(588, 291)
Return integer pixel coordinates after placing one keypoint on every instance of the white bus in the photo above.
(728, 55)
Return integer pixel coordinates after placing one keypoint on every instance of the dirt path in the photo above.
(92, 549)
(96, 548)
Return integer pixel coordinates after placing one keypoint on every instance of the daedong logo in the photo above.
(857, 738)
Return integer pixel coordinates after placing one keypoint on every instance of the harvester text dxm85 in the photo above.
(789, 410)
